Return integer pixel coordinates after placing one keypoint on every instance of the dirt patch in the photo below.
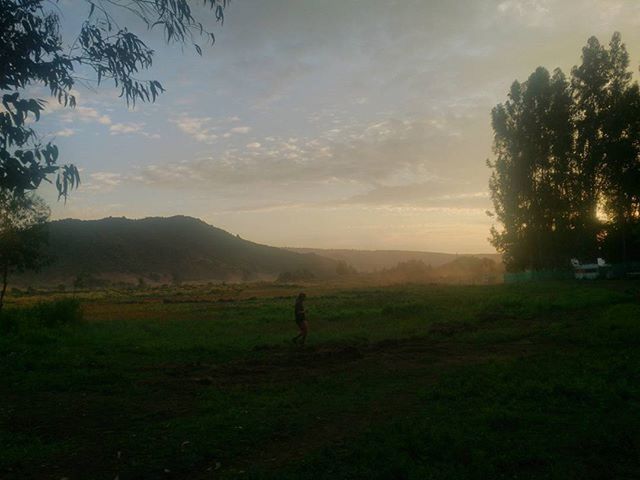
(274, 365)
(283, 364)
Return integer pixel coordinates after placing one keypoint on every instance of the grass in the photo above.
(531, 381)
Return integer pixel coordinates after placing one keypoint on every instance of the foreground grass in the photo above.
(532, 381)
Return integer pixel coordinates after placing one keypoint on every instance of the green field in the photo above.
(425, 382)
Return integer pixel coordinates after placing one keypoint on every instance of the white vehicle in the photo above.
(590, 271)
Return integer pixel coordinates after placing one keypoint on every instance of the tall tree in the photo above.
(529, 183)
(621, 156)
(566, 178)
(33, 52)
(589, 82)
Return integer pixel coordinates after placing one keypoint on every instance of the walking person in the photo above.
(301, 320)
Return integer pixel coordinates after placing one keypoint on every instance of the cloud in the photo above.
(533, 13)
(383, 152)
(435, 194)
(131, 128)
(613, 13)
(102, 182)
(243, 129)
(206, 129)
(124, 128)
(199, 128)
(65, 132)
(85, 114)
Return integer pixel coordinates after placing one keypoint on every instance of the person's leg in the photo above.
(303, 332)
(299, 336)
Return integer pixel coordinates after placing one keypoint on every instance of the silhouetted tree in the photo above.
(607, 136)
(23, 232)
(565, 156)
(621, 155)
(588, 82)
(529, 184)
(32, 52)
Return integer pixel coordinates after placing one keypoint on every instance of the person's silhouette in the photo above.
(301, 320)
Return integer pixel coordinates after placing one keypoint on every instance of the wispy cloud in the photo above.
(199, 128)
(124, 128)
(382, 152)
(207, 129)
(533, 13)
(435, 194)
(102, 182)
(85, 114)
(65, 132)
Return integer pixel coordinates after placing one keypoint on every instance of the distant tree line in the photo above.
(465, 269)
(565, 180)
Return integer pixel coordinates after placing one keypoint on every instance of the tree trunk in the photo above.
(5, 274)
(624, 242)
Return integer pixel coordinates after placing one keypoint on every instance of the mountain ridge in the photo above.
(163, 249)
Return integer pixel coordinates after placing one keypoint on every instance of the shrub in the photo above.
(9, 320)
(67, 311)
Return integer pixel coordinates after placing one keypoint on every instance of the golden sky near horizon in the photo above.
(344, 124)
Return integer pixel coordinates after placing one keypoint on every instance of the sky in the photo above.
(336, 124)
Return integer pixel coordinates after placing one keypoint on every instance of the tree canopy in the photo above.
(33, 52)
(566, 175)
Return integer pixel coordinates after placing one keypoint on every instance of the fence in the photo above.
(616, 270)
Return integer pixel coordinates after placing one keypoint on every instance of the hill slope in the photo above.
(164, 249)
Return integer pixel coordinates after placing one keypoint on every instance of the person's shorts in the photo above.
(300, 319)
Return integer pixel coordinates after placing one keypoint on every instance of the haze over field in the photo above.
(359, 124)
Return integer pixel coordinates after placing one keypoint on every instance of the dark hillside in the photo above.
(177, 248)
